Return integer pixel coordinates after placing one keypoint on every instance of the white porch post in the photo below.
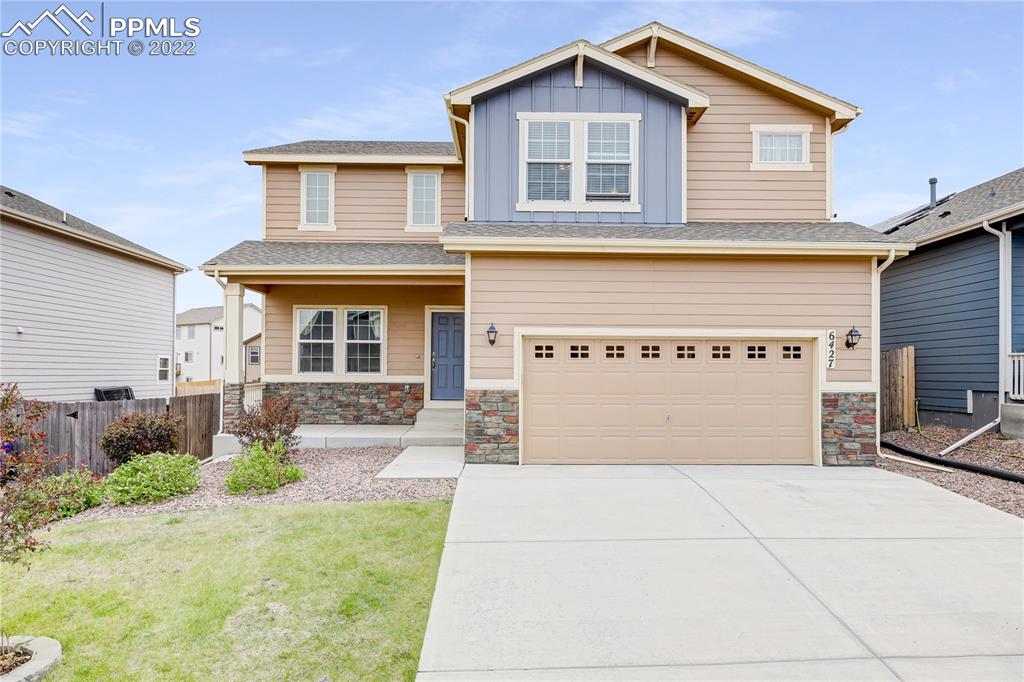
(234, 301)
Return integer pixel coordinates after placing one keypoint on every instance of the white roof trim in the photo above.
(332, 269)
(696, 98)
(400, 159)
(841, 109)
(967, 225)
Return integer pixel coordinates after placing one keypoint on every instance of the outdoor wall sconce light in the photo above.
(492, 334)
(852, 338)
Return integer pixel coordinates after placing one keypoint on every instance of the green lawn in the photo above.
(296, 592)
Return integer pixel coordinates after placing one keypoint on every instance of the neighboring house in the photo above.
(199, 341)
(959, 300)
(253, 358)
(624, 255)
(80, 307)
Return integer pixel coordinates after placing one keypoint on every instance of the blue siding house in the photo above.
(958, 298)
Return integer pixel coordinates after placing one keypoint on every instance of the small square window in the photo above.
(757, 352)
(544, 351)
(686, 352)
(792, 352)
(579, 352)
(615, 352)
(650, 352)
(720, 352)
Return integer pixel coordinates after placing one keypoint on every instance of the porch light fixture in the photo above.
(852, 338)
(492, 334)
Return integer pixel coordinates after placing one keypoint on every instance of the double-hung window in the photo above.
(424, 199)
(364, 341)
(315, 341)
(163, 368)
(316, 209)
(780, 147)
(578, 162)
(254, 355)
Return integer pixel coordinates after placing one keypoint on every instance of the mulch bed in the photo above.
(990, 449)
(341, 475)
(11, 657)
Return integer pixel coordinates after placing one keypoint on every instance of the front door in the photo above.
(446, 359)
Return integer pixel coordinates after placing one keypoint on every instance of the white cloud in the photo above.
(326, 57)
(29, 124)
(727, 24)
(958, 79)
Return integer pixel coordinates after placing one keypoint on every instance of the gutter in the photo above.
(978, 221)
(1004, 317)
(670, 246)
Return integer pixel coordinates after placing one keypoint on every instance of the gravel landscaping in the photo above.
(345, 475)
(990, 449)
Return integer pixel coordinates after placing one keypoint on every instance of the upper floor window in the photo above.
(781, 147)
(424, 199)
(317, 200)
(578, 162)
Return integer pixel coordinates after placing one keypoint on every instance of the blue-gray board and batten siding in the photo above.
(943, 299)
(496, 143)
(1017, 292)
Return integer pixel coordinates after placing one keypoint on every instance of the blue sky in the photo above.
(150, 147)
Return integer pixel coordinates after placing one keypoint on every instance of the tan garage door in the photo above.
(657, 401)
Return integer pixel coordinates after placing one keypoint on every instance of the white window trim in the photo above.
(410, 172)
(577, 151)
(756, 129)
(189, 356)
(258, 355)
(170, 369)
(383, 340)
(295, 340)
(332, 171)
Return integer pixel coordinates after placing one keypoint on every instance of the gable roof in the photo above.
(204, 315)
(842, 111)
(355, 151)
(995, 199)
(697, 100)
(19, 205)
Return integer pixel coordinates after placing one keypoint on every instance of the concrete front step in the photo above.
(441, 416)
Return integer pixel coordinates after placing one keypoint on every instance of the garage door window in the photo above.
(615, 352)
(579, 351)
(721, 352)
(650, 352)
(757, 352)
(792, 352)
(686, 352)
(544, 351)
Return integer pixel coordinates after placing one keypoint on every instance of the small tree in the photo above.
(276, 421)
(140, 434)
(25, 506)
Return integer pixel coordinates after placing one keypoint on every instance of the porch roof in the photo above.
(266, 256)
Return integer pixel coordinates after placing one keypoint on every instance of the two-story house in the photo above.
(199, 341)
(624, 255)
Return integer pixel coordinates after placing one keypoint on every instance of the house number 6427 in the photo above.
(830, 349)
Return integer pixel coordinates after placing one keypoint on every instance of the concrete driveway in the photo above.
(695, 573)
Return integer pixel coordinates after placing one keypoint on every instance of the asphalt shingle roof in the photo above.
(200, 315)
(956, 208)
(332, 254)
(23, 203)
(784, 232)
(382, 147)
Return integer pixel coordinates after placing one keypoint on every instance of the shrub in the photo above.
(73, 492)
(153, 477)
(25, 507)
(259, 470)
(276, 421)
(140, 434)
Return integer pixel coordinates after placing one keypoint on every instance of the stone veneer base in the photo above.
(351, 403)
(848, 426)
(492, 426)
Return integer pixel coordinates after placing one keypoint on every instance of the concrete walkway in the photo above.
(426, 461)
(685, 573)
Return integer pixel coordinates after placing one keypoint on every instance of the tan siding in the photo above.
(721, 185)
(405, 320)
(776, 293)
(369, 204)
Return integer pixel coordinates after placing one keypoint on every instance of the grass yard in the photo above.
(304, 592)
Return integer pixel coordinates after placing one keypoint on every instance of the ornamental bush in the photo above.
(276, 420)
(153, 477)
(140, 434)
(73, 492)
(259, 470)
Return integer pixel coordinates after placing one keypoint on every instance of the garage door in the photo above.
(667, 401)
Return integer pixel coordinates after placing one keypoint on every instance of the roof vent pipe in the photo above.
(64, 218)
(933, 182)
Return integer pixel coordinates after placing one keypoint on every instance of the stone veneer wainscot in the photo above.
(492, 426)
(351, 403)
(848, 429)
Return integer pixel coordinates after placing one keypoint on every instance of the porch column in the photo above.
(234, 388)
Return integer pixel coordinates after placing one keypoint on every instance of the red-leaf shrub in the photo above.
(140, 434)
(277, 420)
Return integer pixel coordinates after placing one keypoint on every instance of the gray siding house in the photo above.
(81, 307)
(958, 298)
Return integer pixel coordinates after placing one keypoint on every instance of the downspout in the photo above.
(1003, 316)
(888, 261)
(465, 124)
(876, 347)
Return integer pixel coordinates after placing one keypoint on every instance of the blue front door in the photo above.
(446, 374)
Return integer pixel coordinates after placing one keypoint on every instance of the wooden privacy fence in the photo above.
(78, 436)
(197, 387)
(898, 391)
